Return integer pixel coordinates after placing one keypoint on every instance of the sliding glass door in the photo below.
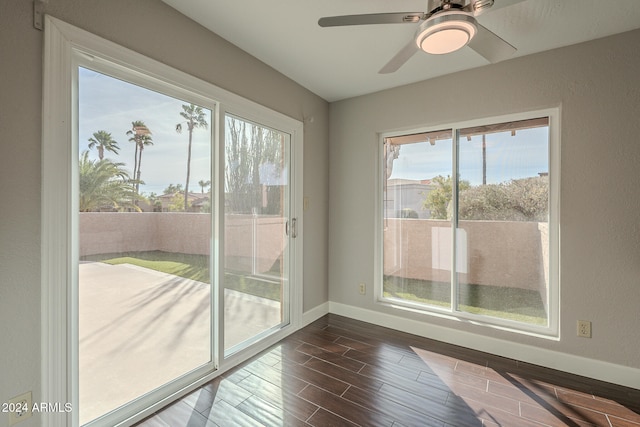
(144, 241)
(257, 229)
(168, 230)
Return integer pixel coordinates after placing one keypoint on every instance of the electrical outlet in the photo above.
(362, 288)
(584, 328)
(19, 408)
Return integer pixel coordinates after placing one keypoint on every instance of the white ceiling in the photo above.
(342, 62)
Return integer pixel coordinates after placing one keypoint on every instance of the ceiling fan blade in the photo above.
(490, 46)
(400, 58)
(373, 18)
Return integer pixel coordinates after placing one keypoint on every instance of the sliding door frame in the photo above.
(67, 47)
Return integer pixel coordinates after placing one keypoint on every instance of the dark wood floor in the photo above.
(342, 372)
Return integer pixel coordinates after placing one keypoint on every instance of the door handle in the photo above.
(291, 228)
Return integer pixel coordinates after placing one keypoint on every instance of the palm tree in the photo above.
(172, 188)
(202, 183)
(135, 125)
(103, 183)
(141, 137)
(102, 140)
(195, 118)
(144, 141)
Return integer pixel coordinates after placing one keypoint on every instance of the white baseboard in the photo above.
(314, 314)
(604, 371)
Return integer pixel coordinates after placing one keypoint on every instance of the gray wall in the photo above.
(597, 85)
(155, 30)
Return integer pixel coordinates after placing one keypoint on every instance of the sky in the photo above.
(508, 157)
(109, 104)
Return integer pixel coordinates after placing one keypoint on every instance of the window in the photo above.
(469, 221)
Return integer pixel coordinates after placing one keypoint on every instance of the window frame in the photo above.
(551, 330)
(65, 48)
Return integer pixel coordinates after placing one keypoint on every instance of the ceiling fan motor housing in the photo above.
(475, 6)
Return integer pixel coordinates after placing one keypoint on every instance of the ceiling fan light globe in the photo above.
(445, 41)
(446, 33)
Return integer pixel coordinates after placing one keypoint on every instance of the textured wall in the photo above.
(596, 84)
(246, 237)
(152, 28)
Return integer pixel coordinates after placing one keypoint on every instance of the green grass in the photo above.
(189, 266)
(521, 305)
(502, 302)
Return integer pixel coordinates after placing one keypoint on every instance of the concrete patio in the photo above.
(140, 328)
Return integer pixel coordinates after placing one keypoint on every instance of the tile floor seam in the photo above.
(311, 416)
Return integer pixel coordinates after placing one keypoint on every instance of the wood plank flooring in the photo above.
(342, 372)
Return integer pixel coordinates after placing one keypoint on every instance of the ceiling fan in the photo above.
(448, 25)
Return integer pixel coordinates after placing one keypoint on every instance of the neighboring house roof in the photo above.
(196, 200)
(399, 181)
(200, 202)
